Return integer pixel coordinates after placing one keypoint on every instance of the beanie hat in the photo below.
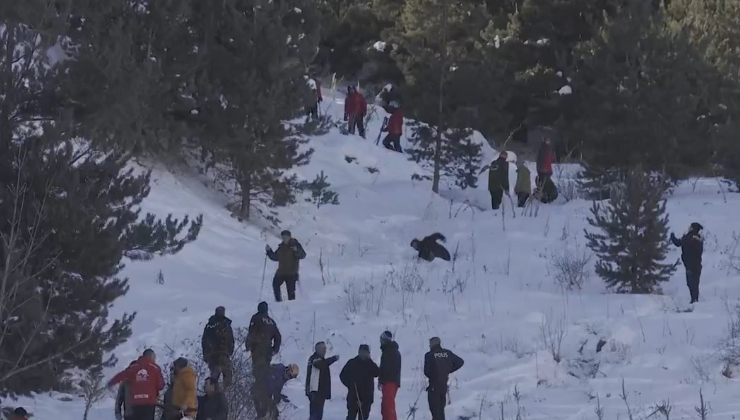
(386, 336)
(262, 307)
(285, 233)
(435, 341)
(696, 226)
(180, 363)
(221, 311)
(364, 347)
(20, 411)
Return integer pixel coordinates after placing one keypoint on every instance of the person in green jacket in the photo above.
(523, 186)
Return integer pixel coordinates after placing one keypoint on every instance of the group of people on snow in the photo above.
(545, 189)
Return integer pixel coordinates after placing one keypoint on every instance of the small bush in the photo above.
(570, 267)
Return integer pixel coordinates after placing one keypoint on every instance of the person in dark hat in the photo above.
(263, 340)
(288, 256)
(19, 413)
(439, 363)
(218, 346)
(498, 180)
(358, 375)
(389, 379)
(692, 248)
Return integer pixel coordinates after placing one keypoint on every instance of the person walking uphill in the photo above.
(389, 379)
(394, 127)
(145, 382)
(288, 256)
(498, 180)
(692, 248)
(438, 364)
(355, 109)
(358, 375)
(318, 380)
(218, 345)
(523, 186)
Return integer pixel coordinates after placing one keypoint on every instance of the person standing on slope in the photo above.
(389, 379)
(692, 248)
(288, 256)
(318, 380)
(394, 127)
(145, 381)
(545, 159)
(498, 180)
(123, 408)
(312, 97)
(355, 109)
(523, 186)
(218, 346)
(439, 363)
(358, 375)
(263, 340)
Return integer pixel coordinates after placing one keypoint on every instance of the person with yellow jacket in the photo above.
(184, 400)
(523, 186)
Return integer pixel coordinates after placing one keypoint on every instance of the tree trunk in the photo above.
(440, 122)
(246, 197)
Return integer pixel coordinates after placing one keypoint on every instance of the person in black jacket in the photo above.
(318, 380)
(263, 340)
(389, 379)
(213, 405)
(438, 364)
(358, 375)
(429, 248)
(123, 407)
(288, 256)
(218, 345)
(498, 180)
(692, 248)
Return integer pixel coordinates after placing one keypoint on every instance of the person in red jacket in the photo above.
(145, 381)
(394, 127)
(545, 159)
(355, 108)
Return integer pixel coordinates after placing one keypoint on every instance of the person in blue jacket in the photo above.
(279, 374)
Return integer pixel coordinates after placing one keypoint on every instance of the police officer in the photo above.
(263, 340)
(438, 364)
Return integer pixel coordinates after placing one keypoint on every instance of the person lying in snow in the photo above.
(429, 248)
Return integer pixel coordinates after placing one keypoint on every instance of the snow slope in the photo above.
(499, 308)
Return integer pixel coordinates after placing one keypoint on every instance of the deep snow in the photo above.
(498, 308)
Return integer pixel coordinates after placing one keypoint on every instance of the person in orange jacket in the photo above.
(394, 127)
(145, 381)
(355, 109)
(184, 402)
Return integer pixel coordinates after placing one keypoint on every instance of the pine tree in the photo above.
(249, 88)
(320, 193)
(459, 157)
(631, 241)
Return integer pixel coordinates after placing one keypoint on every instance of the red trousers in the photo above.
(388, 403)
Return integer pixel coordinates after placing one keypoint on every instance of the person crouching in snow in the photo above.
(429, 248)
(498, 180)
(184, 402)
(355, 108)
(279, 375)
(212, 405)
(523, 186)
(394, 127)
(692, 248)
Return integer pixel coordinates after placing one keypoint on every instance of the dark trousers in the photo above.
(289, 281)
(315, 406)
(356, 408)
(312, 111)
(496, 197)
(692, 280)
(437, 399)
(221, 366)
(393, 142)
(261, 373)
(356, 122)
(522, 198)
(143, 412)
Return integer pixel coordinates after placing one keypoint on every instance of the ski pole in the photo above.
(264, 268)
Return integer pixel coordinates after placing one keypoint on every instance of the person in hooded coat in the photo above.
(218, 346)
(498, 180)
(213, 405)
(184, 401)
(692, 248)
(429, 248)
(439, 363)
(523, 186)
(263, 341)
(358, 375)
(355, 109)
(318, 380)
(394, 127)
(389, 379)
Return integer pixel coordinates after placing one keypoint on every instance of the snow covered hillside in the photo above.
(526, 342)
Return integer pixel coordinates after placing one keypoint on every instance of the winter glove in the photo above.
(335, 357)
(284, 399)
(268, 249)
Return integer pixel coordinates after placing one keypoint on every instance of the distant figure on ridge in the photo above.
(288, 256)
(498, 180)
(355, 108)
(394, 127)
(429, 248)
(218, 346)
(692, 248)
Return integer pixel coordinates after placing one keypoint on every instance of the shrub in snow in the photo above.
(631, 236)
(571, 267)
(320, 192)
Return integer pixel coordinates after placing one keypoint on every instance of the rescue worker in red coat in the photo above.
(355, 108)
(545, 159)
(145, 382)
(394, 127)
